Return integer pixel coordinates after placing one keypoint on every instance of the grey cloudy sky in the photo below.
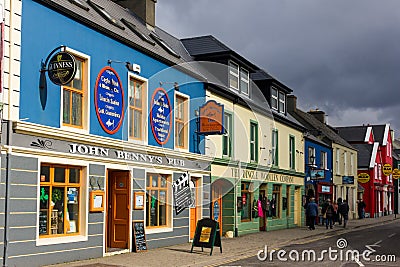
(341, 56)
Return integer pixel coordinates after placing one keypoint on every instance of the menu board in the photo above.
(139, 236)
(43, 222)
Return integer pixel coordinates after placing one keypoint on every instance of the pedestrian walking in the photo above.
(361, 208)
(339, 215)
(344, 211)
(328, 214)
(311, 213)
(335, 212)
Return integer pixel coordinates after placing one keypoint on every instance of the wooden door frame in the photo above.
(109, 191)
(198, 203)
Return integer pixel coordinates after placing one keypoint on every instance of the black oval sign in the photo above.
(61, 68)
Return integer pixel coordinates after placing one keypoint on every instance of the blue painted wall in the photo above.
(44, 29)
(318, 149)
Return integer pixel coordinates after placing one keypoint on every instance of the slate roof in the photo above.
(364, 154)
(353, 133)
(91, 18)
(357, 133)
(317, 128)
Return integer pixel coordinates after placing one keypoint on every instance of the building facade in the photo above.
(85, 158)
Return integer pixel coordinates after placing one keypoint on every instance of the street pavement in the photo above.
(233, 249)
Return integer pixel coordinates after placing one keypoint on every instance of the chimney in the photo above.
(318, 114)
(144, 9)
(291, 103)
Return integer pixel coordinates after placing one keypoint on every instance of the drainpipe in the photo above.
(6, 197)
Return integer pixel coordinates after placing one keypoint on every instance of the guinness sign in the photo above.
(62, 68)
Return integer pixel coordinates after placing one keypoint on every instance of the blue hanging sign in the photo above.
(109, 100)
(160, 116)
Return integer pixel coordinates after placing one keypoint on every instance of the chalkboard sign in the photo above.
(43, 222)
(139, 237)
(207, 235)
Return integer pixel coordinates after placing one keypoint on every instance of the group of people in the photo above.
(331, 213)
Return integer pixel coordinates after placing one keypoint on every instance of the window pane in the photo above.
(76, 109)
(179, 134)
(138, 95)
(59, 174)
(154, 182)
(74, 175)
(131, 124)
(162, 219)
(137, 124)
(77, 81)
(153, 208)
(163, 181)
(66, 107)
(45, 174)
(57, 214)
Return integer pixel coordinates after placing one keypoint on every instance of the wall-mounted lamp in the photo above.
(176, 85)
(129, 66)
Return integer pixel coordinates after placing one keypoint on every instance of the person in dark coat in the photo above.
(344, 211)
(311, 213)
(329, 214)
(361, 209)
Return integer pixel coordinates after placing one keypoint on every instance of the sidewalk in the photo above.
(232, 248)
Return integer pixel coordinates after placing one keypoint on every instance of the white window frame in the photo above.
(245, 80)
(233, 65)
(324, 160)
(144, 108)
(187, 126)
(311, 151)
(351, 164)
(228, 134)
(275, 98)
(337, 161)
(85, 104)
(345, 165)
(281, 101)
(379, 172)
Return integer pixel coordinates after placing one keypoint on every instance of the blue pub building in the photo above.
(103, 125)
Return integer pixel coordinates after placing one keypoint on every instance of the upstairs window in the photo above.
(274, 151)
(244, 81)
(311, 156)
(292, 154)
(253, 141)
(282, 102)
(274, 98)
(181, 110)
(227, 136)
(324, 160)
(136, 105)
(233, 75)
(74, 96)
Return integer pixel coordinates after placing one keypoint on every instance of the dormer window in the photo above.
(278, 100)
(244, 81)
(233, 75)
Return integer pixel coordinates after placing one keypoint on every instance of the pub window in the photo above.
(157, 200)
(275, 202)
(59, 196)
(245, 213)
(136, 106)
(74, 95)
(181, 115)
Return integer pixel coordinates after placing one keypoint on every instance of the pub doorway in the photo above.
(117, 229)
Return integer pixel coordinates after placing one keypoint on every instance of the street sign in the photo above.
(387, 169)
(160, 116)
(363, 177)
(396, 173)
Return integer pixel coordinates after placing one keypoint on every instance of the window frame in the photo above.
(281, 102)
(292, 152)
(168, 196)
(185, 121)
(312, 152)
(245, 187)
(275, 147)
(324, 160)
(144, 108)
(86, 95)
(227, 137)
(253, 143)
(274, 98)
(233, 65)
(337, 161)
(66, 184)
(245, 80)
(278, 198)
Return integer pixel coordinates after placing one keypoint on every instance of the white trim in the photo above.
(373, 155)
(386, 134)
(368, 134)
(145, 109)
(86, 104)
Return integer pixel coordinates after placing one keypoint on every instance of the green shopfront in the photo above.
(247, 200)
